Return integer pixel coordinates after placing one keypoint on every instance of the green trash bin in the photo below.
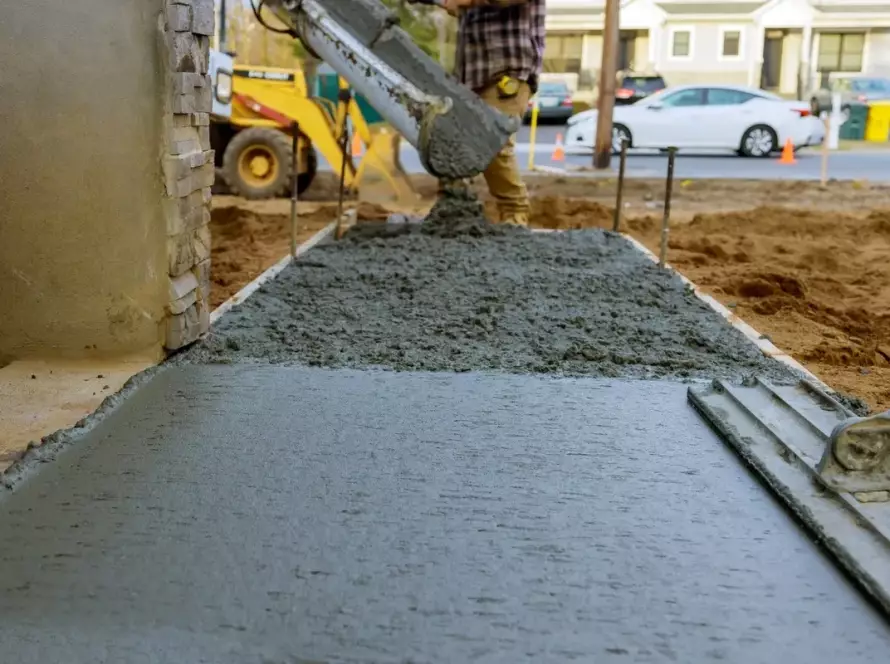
(854, 128)
(328, 88)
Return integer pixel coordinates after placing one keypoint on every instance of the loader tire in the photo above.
(257, 163)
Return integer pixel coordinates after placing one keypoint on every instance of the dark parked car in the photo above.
(633, 87)
(554, 103)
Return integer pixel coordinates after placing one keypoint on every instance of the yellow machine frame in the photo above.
(276, 98)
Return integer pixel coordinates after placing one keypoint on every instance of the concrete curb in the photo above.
(271, 273)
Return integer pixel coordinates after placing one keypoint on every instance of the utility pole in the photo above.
(602, 153)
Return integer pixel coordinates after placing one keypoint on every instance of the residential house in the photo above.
(787, 46)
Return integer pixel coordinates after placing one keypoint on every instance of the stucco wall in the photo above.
(82, 242)
(105, 175)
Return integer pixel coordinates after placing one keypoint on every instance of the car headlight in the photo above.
(224, 87)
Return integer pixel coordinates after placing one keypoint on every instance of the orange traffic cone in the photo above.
(357, 146)
(788, 153)
(559, 153)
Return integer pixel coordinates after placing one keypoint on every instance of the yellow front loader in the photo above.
(254, 146)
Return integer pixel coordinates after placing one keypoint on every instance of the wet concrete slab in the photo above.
(282, 514)
(453, 295)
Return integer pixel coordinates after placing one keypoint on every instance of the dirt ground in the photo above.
(251, 236)
(809, 268)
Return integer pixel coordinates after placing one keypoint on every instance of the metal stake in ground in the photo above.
(294, 192)
(823, 176)
(665, 221)
(616, 222)
(345, 97)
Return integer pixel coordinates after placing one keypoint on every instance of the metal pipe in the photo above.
(616, 221)
(223, 23)
(295, 175)
(533, 133)
(666, 219)
(346, 98)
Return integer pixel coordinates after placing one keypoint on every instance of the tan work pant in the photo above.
(502, 175)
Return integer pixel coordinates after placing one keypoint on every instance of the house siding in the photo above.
(802, 20)
(705, 65)
(592, 54)
(790, 63)
(878, 52)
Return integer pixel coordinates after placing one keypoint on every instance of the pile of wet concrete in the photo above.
(456, 293)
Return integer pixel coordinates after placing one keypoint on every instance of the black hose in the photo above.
(258, 13)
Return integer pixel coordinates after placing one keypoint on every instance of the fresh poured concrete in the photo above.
(458, 294)
(280, 514)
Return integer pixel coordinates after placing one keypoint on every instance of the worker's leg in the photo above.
(504, 182)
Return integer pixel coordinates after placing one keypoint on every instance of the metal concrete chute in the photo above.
(361, 40)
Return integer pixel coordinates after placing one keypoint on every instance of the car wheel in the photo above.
(759, 141)
(620, 133)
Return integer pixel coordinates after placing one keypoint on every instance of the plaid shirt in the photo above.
(501, 37)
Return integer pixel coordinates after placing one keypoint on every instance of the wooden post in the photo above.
(602, 153)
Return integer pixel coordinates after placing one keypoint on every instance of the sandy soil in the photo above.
(251, 236)
(810, 268)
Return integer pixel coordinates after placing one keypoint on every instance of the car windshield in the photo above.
(871, 85)
(553, 89)
(643, 83)
(655, 97)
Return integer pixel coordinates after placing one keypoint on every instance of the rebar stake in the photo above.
(345, 97)
(665, 221)
(616, 222)
(294, 195)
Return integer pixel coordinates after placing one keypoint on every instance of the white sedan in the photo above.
(751, 122)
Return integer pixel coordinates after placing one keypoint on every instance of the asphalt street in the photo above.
(843, 164)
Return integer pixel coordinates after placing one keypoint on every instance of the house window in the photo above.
(562, 53)
(840, 51)
(732, 44)
(681, 43)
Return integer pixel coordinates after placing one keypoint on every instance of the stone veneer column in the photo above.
(187, 26)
